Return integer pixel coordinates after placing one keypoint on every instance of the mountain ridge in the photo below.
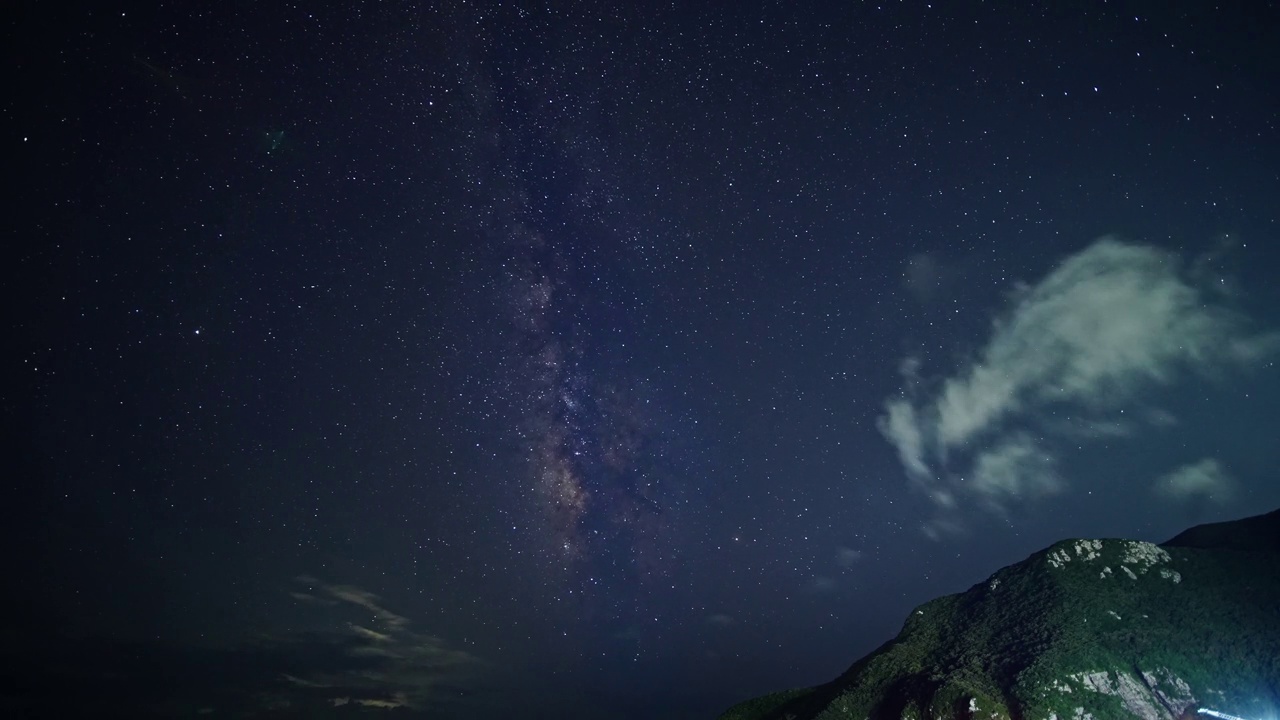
(1090, 629)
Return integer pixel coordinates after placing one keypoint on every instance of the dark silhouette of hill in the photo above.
(1261, 532)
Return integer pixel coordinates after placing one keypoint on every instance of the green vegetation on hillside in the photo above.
(1111, 628)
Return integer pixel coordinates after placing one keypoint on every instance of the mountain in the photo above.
(1083, 630)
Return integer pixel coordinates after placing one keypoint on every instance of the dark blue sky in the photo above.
(597, 361)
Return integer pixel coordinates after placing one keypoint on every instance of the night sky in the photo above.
(608, 360)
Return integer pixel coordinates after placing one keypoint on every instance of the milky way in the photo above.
(595, 436)
(594, 454)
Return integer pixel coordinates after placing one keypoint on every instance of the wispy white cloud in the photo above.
(847, 557)
(1015, 467)
(822, 583)
(924, 277)
(1108, 324)
(368, 601)
(1204, 480)
(396, 666)
(905, 430)
(720, 620)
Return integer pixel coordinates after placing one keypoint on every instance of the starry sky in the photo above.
(607, 360)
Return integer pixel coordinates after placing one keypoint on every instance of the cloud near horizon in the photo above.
(1108, 324)
(393, 665)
